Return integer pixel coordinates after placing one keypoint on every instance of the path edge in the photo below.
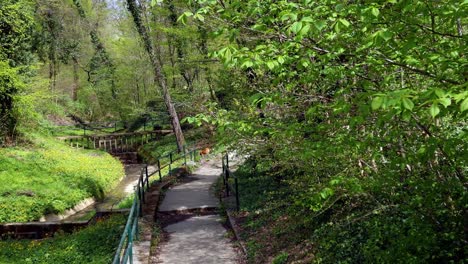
(236, 231)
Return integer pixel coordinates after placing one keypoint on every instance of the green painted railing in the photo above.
(124, 252)
(230, 187)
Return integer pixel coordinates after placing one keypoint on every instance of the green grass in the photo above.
(50, 177)
(94, 244)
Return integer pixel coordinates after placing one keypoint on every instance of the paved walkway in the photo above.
(195, 238)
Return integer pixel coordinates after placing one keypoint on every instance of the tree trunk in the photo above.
(76, 80)
(179, 45)
(158, 74)
(204, 50)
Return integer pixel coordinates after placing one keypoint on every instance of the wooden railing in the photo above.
(116, 142)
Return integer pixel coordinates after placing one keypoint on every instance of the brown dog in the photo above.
(204, 152)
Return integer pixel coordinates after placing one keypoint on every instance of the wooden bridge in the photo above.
(115, 142)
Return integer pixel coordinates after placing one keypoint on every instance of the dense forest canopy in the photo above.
(357, 109)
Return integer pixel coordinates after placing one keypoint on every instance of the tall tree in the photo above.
(101, 61)
(16, 23)
(159, 75)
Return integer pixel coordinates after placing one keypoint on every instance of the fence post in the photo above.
(136, 223)
(159, 170)
(185, 156)
(227, 182)
(170, 164)
(147, 177)
(130, 244)
(140, 211)
(142, 186)
(224, 172)
(227, 161)
(237, 193)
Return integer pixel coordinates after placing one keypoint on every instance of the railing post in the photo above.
(237, 193)
(227, 182)
(159, 170)
(147, 177)
(185, 156)
(130, 244)
(170, 164)
(224, 172)
(227, 161)
(136, 224)
(142, 186)
(139, 200)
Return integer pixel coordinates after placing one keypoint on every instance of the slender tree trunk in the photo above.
(172, 60)
(204, 50)
(76, 80)
(179, 45)
(137, 92)
(101, 57)
(51, 75)
(158, 74)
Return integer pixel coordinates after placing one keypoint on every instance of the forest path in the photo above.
(193, 230)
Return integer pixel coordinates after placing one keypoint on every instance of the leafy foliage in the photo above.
(16, 21)
(359, 109)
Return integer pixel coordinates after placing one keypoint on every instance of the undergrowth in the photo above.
(277, 228)
(47, 176)
(94, 244)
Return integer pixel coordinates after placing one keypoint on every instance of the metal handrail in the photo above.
(124, 252)
(227, 173)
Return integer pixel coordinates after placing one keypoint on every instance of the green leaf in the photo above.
(407, 103)
(199, 17)
(464, 105)
(188, 13)
(326, 192)
(434, 110)
(445, 101)
(344, 22)
(296, 27)
(307, 19)
(320, 24)
(270, 64)
(281, 59)
(385, 35)
(377, 103)
(439, 92)
(305, 29)
(247, 64)
(375, 11)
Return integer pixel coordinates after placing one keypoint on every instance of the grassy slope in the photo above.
(95, 244)
(49, 177)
